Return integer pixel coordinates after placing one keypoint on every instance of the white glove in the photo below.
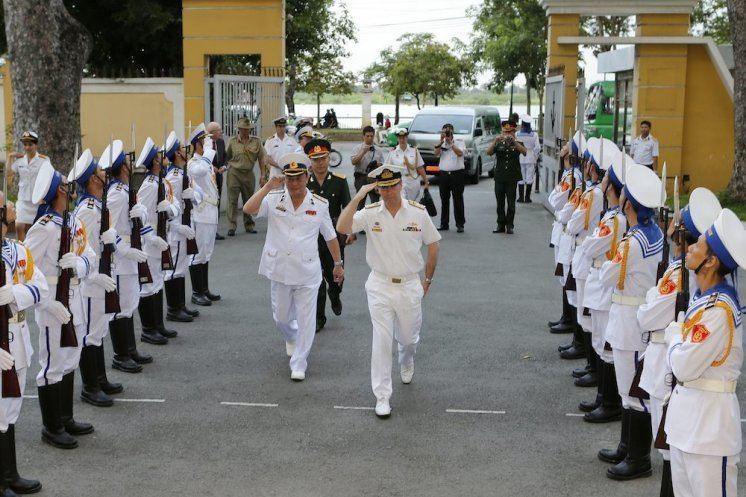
(102, 280)
(185, 231)
(136, 255)
(138, 210)
(163, 206)
(6, 360)
(6, 295)
(673, 332)
(109, 237)
(159, 243)
(69, 261)
(58, 312)
(187, 194)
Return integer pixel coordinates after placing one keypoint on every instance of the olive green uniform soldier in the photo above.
(507, 175)
(334, 188)
(242, 153)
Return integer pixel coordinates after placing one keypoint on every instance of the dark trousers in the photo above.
(505, 193)
(360, 180)
(219, 181)
(452, 182)
(327, 276)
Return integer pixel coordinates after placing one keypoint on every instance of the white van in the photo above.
(476, 125)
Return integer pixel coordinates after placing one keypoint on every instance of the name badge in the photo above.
(281, 208)
(311, 213)
(377, 227)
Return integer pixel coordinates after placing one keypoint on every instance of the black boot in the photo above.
(611, 405)
(119, 331)
(53, 431)
(173, 303)
(521, 189)
(577, 351)
(10, 477)
(577, 372)
(103, 382)
(666, 483)
(527, 198)
(195, 271)
(149, 333)
(182, 298)
(91, 392)
(132, 344)
(67, 391)
(615, 456)
(637, 462)
(591, 378)
(206, 283)
(564, 325)
(158, 316)
(587, 406)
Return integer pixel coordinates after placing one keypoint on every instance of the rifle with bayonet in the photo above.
(186, 216)
(143, 271)
(167, 263)
(67, 331)
(663, 214)
(111, 299)
(10, 386)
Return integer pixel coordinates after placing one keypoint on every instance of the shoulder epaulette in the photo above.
(339, 175)
(374, 204)
(275, 192)
(120, 186)
(91, 203)
(712, 300)
(43, 156)
(416, 204)
(321, 198)
(45, 219)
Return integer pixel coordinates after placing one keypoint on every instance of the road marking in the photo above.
(743, 421)
(152, 401)
(247, 404)
(473, 411)
(574, 415)
(30, 396)
(355, 408)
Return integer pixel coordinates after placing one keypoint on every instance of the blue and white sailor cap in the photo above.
(579, 142)
(117, 153)
(616, 175)
(147, 154)
(727, 239)
(701, 211)
(172, 145)
(197, 133)
(47, 182)
(610, 152)
(587, 146)
(643, 190)
(84, 168)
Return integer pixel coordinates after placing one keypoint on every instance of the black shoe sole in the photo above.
(153, 341)
(176, 319)
(26, 490)
(51, 442)
(95, 402)
(126, 369)
(633, 476)
(113, 391)
(597, 420)
(203, 303)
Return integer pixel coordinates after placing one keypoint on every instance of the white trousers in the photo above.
(527, 173)
(56, 361)
(599, 320)
(412, 188)
(625, 365)
(179, 256)
(583, 320)
(10, 408)
(294, 312)
(396, 313)
(148, 289)
(656, 413)
(96, 321)
(128, 289)
(205, 236)
(696, 475)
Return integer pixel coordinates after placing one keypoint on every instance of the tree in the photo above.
(313, 31)
(319, 78)
(737, 16)
(381, 72)
(710, 18)
(605, 26)
(46, 67)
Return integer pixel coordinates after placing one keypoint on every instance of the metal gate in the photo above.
(229, 98)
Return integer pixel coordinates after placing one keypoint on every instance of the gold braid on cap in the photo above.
(387, 174)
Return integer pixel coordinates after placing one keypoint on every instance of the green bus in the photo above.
(599, 110)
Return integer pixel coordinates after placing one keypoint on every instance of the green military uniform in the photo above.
(507, 174)
(336, 190)
(241, 157)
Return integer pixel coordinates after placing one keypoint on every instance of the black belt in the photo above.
(358, 174)
(453, 172)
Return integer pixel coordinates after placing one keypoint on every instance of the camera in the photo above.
(372, 148)
(371, 166)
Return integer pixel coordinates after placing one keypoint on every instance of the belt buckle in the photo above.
(645, 336)
(395, 280)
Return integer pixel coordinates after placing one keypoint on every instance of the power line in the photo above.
(413, 22)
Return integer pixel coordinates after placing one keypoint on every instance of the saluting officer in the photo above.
(334, 188)
(25, 288)
(396, 229)
(705, 351)
(56, 377)
(91, 180)
(295, 219)
(278, 145)
(26, 166)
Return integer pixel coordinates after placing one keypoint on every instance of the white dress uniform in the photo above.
(205, 213)
(147, 196)
(177, 241)
(393, 287)
(43, 241)
(411, 159)
(276, 148)
(558, 197)
(531, 141)
(290, 260)
(29, 289)
(27, 170)
(567, 241)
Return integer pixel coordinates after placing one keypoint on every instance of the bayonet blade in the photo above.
(663, 186)
(676, 203)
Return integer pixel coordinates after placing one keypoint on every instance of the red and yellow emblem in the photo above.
(667, 286)
(699, 333)
(617, 257)
(604, 230)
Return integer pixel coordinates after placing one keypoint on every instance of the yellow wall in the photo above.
(219, 27)
(567, 57)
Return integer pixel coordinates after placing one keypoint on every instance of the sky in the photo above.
(380, 22)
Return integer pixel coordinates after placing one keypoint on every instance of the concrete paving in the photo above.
(224, 419)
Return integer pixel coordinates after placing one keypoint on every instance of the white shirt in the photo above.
(449, 161)
(643, 150)
(291, 249)
(409, 158)
(276, 148)
(531, 142)
(393, 244)
(27, 170)
(202, 175)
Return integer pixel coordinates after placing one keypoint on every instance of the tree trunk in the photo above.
(528, 98)
(290, 90)
(436, 99)
(46, 68)
(318, 108)
(396, 108)
(736, 12)
(417, 98)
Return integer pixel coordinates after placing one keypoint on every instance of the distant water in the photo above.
(350, 115)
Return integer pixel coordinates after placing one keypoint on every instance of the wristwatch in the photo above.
(340, 263)
(428, 280)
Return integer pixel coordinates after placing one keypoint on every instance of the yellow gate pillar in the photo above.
(563, 59)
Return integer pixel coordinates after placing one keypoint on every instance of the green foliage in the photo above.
(605, 26)
(710, 18)
(739, 208)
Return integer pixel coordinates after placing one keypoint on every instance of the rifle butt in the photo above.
(191, 247)
(660, 438)
(167, 263)
(67, 334)
(111, 303)
(143, 273)
(11, 387)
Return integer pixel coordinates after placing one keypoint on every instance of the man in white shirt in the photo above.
(278, 145)
(530, 140)
(451, 178)
(366, 156)
(644, 148)
(290, 259)
(414, 166)
(396, 229)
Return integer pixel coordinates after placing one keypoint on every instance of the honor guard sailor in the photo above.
(396, 229)
(290, 259)
(58, 359)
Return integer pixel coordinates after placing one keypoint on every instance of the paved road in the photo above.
(485, 346)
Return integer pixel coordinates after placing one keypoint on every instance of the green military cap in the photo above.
(245, 123)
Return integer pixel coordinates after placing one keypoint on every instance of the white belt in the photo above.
(210, 200)
(396, 279)
(597, 263)
(625, 300)
(52, 280)
(717, 386)
(578, 242)
(18, 317)
(657, 336)
(125, 238)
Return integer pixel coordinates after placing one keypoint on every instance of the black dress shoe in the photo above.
(251, 231)
(579, 372)
(588, 380)
(192, 312)
(179, 315)
(61, 439)
(141, 358)
(560, 348)
(125, 364)
(509, 230)
(212, 296)
(153, 337)
(460, 229)
(588, 406)
(336, 305)
(320, 324)
(574, 352)
(562, 328)
(111, 388)
(96, 398)
(199, 299)
(218, 236)
(442, 228)
(23, 486)
(231, 232)
(499, 229)
(604, 414)
(77, 428)
(167, 333)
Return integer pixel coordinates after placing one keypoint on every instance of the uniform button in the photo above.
(289, 253)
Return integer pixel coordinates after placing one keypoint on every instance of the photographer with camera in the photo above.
(507, 174)
(366, 157)
(452, 177)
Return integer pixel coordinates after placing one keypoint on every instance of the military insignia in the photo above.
(317, 149)
(667, 286)
(604, 230)
(311, 213)
(416, 204)
(699, 333)
(584, 203)
(373, 205)
(377, 227)
(387, 174)
(412, 227)
(320, 198)
(618, 257)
